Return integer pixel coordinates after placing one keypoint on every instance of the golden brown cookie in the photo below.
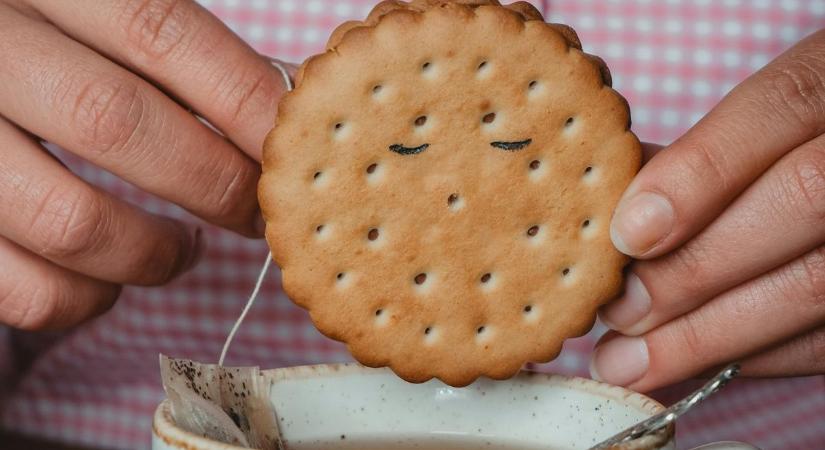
(439, 186)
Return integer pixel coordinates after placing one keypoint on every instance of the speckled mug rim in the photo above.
(165, 429)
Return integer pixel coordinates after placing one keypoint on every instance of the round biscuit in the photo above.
(439, 187)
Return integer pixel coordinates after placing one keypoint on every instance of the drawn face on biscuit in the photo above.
(489, 118)
(439, 187)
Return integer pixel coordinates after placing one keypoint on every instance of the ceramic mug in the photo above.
(346, 406)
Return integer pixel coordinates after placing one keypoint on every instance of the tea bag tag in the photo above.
(230, 405)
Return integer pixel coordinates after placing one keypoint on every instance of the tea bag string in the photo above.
(267, 263)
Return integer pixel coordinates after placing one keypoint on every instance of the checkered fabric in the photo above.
(673, 59)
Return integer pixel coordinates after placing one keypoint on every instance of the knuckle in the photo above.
(812, 277)
(815, 343)
(29, 306)
(159, 263)
(706, 164)
(243, 95)
(155, 28)
(68, 225)
(806, 186)
(230, 193)
(689, 338)
(107, 114)
(797, 88)
(685, 267)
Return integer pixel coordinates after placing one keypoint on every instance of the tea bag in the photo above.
(227, 404)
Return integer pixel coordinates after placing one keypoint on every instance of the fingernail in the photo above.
(630, 308)
(641, 222)
(620, 361)
(260, 225)
(196, 253)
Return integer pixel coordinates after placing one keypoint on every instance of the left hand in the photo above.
(119, 83)
(729, 225)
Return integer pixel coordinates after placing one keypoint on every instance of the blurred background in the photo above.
(97, 386)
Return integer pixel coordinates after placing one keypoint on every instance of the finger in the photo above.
(650, 150)
(743, 321)
(681, 190)
(68, 94)
(36, 294)
(59, 217)
(186, 50)
(801, 356)
(778, 218)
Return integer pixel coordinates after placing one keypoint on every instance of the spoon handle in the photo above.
(669, 415)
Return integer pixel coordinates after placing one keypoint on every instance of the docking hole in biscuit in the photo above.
(373, 234)
(589, 229)
(483, 69)
(437, 189)
(530, 314)
(455, 202)
(430, 335)
(428, 70)
(382, 318)
(590, 175)
(488, 282)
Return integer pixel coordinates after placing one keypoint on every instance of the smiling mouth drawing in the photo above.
(401, 150)
(511, 146)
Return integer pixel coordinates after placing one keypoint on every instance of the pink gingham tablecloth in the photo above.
(673, 59)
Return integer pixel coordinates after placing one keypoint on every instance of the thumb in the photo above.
(681, 190)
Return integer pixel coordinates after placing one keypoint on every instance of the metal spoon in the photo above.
(669, 415)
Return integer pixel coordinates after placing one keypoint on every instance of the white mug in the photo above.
(346, 406)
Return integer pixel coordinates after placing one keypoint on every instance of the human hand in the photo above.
(112, 82)
(729, 225)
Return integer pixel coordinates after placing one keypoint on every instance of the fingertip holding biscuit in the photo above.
(439, 186)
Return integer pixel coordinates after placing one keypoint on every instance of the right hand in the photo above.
(108, 81)
(728, 224)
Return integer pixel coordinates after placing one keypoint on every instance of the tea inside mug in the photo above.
(422, 443)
